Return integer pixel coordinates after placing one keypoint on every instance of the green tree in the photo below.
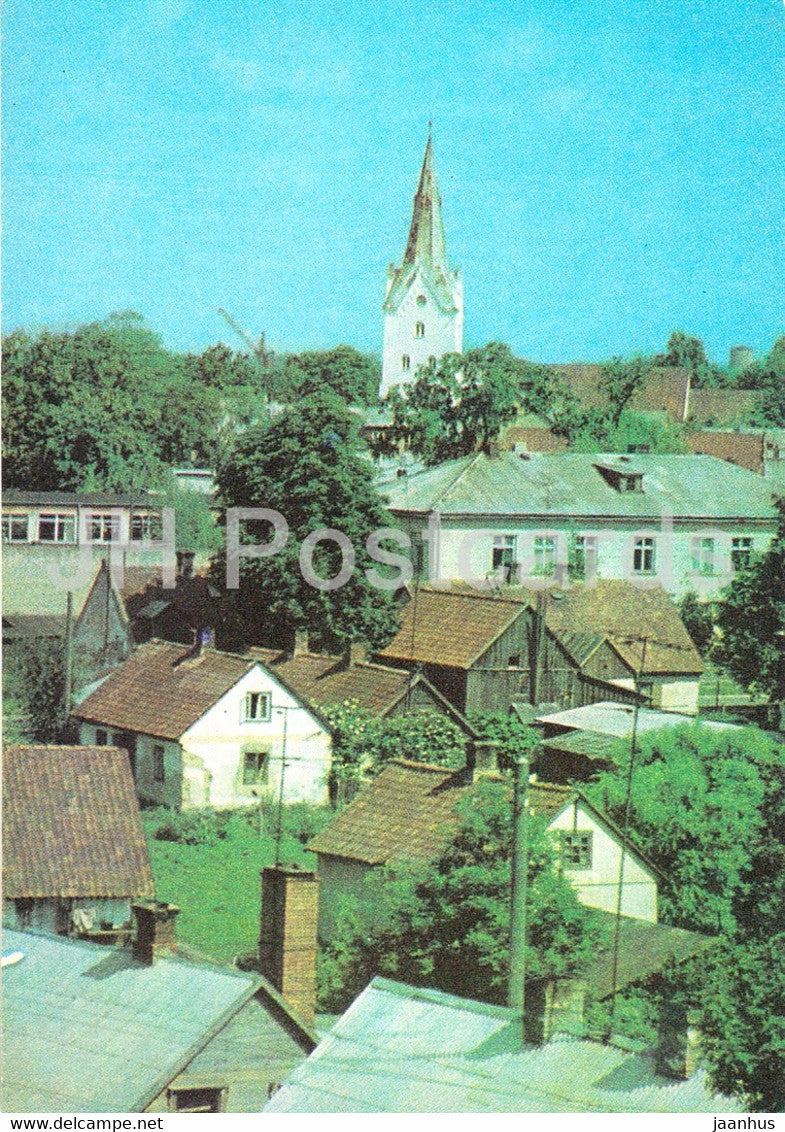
(752, 621)
(445, 923)
(34, 681)
(305, 465)
(353, 376)
(698, 621)
(619, 380)
(688, 352)
(458, 404)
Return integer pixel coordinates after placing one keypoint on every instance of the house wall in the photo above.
(206, 767)
(167, 793)
(53, 915)
(214, 747)
(597, 887)
(673, 571)
(340, 878)
(670, 693)
(101, 636)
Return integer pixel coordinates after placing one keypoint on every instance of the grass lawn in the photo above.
(213, 872)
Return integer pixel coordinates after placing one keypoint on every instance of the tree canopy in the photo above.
(459, 403)
(752, 621)
(305, 464)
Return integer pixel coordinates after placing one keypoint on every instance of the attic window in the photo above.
(257, 707)
(622, 479)
(419, 330)
(576, 849)
(203, 1098)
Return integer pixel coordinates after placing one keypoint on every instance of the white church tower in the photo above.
(423, 306)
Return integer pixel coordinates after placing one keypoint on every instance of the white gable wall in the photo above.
(597, 887)
(215, 746)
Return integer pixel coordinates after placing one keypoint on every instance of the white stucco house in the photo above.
(208, 728)
(679, 522)
(409, 813)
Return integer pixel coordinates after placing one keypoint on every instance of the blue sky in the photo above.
(609, 170)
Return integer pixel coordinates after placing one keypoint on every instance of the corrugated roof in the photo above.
(87, 1029)
(162, 689)
(403, 1049)
(450, 628)
(409, 812)
(15, 497)
(71, 824)
(549, 486)
(617, 719)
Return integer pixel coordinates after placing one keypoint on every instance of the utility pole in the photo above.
(625, 833)
(68, 677)
(516, 983)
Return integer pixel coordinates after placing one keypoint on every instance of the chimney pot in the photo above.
(287, 940)
(155, 929)
(300, 647)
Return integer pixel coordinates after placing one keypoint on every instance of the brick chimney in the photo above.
(554, 1006)
(287, 942)
(356, 653)
(678, 1041)
(155, 932)
(300, 645)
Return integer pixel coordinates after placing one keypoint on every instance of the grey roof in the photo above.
(617, 719)
(15, 497)
(569, 484)
(590, 744)
(402, 1049)
(86, 1029)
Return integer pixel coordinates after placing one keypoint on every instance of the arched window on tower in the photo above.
(432, 360)
(406, 362)
(419, 330)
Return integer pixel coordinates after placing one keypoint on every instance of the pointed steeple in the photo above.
(425, 245)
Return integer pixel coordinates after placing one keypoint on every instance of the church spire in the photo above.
(425, 245)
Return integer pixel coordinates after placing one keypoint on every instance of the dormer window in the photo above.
(419, 330)
(621, 478)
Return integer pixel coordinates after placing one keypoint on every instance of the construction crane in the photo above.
(259, 352)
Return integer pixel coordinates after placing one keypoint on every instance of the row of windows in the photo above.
(644, 555)
(57, 527)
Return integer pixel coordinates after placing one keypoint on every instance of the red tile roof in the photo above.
(745, 449)
(71, 825)
(450, 628)
(325, 680)
(409, 812)
(163, 689)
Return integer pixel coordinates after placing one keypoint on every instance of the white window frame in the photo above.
(503, 554)
(737, 550)
(262, 777)
(580, 843)
(406, 362)
(644, 556)
(64, 524)
(419, 330)
(145, 526)
(544, 553)
(257, 707)
(9, 519)
(107, 523)
(703, 555)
